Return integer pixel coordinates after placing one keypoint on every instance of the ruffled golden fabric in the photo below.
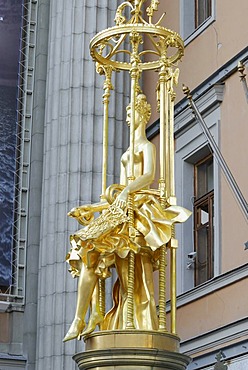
(107, 236)
(106, 242)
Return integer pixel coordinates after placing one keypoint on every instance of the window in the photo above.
(196, 15)
(10, 24)
(203, 220)
(16, 83)
(196, 175)
(203, 10)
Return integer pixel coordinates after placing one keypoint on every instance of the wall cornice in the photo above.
(231, 339)
(217, 283)
(216, 79)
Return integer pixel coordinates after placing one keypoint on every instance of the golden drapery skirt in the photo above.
(105, 243)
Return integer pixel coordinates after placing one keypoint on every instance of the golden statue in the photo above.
(108, 240)
(134, 230)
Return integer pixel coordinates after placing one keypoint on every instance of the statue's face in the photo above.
(155, 4)
(138, 118)
(128, 119)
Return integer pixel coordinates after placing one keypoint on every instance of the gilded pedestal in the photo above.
(131, 350)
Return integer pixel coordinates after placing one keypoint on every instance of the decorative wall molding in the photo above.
(12, 362)
(211, 286)
(217, 78)
(206, 103)
(231, 340)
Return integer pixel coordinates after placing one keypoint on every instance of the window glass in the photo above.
(203, 10)
(203, 220)
(204, 177)
(195, 14)
(10, 25)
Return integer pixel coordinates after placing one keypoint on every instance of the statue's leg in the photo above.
(96, 317)
(86, 285)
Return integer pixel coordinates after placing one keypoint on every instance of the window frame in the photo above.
(207, 198)
(15, 293)
(198, 23)
(191, 146)
(197, 30)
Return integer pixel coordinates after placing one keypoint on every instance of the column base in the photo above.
(132, 350)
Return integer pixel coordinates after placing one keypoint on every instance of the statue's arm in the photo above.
(145, 179)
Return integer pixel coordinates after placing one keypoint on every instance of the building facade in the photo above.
(212, 257)
(59, 150)
(59, 143)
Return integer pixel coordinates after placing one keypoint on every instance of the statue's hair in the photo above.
(143, 107)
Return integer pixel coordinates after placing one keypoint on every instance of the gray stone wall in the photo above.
(71, 162)
(35, 184)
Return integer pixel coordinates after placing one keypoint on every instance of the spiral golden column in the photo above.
(163, 187)
(134, 73)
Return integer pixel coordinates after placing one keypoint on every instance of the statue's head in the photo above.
(142, 110)
(155, 4)
(143, 107)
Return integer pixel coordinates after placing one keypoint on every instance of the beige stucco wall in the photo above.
(213, 311)
(208, 52)
(234, 140)
(214, 47)
(222, 40)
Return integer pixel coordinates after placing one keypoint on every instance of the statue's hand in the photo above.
(121, 199)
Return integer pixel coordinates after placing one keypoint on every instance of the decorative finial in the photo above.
(241, 69)
(152, 8)
(187, 92)
(219, 364)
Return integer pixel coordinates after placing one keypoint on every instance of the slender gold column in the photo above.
(163, 195)
(107, 87)
(172, 199)
(172, 78)
(135, 40)
(173, 290)
(162, 86)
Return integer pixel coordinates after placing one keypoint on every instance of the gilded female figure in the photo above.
(106, 241)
